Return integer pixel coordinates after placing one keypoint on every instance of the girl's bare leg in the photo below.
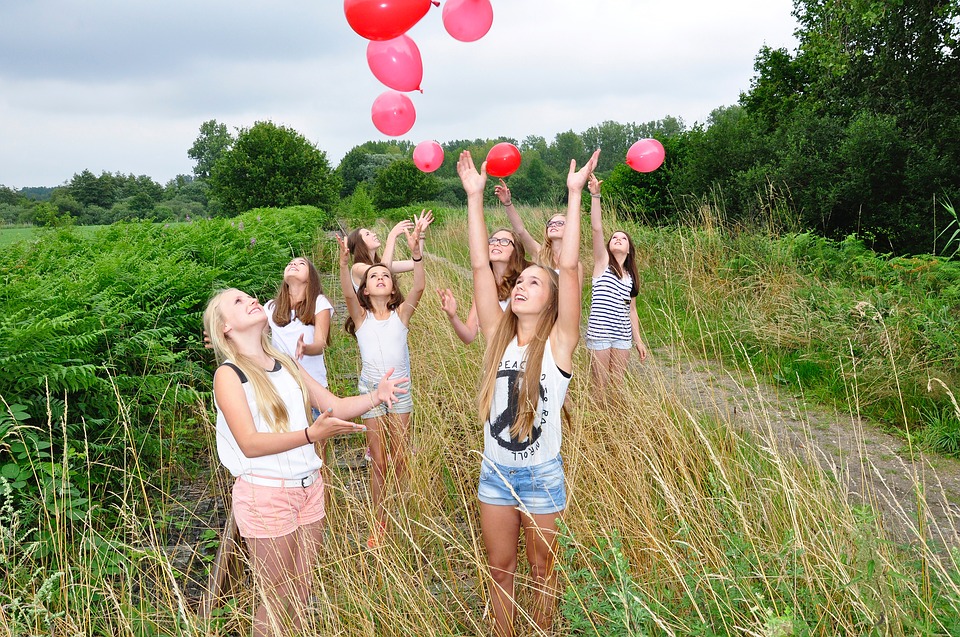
(500, 528)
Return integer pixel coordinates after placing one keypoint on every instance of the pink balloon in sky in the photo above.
(396, 63)
(393, 113)
(428, 155)
(467, 20)
(645, 155)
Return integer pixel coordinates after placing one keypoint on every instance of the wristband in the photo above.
(373, 405)
(307, 436)
(417, 260)
(595, 196)
(509, 203)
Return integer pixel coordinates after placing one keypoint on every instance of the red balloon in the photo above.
(396, 63)
(503, 160)
(645, 155)
(393, 113)
(384, 19)
(428, 156)
(467, 20)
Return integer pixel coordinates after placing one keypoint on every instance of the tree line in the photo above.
(855, 131)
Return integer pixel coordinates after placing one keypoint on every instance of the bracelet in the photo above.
(509, 203)
(595, 196)
(373, 405)
(417, 260)
(307, 436)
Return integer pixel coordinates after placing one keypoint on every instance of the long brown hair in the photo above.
(547, 257)
(629, 264)
(517, 264)
(395, 300)
(528, 389)
(359, 250)
(306, 310)
(269, 402)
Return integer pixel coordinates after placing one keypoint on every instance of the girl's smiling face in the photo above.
(297, 270)
(369, 239)
(240, 310)
(531, 292)
(555, 226)
(501, 246)
(619, 244)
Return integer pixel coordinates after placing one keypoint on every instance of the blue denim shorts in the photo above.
(403, 404)
(536, 489)
(599, 343)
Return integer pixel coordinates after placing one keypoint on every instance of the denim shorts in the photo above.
(536, 489)
(600, 343)
(403, 404)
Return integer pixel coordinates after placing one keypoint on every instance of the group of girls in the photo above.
(529, 315)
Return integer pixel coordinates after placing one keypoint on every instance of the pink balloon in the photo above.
(428, 156)
(384, 19)
(503, 160)
(645, 155)
(467, 20)
(393, 113)
(396, 63)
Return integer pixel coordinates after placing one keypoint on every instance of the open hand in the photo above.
(326, 426)
(447, 302)
(577, 179)
(387, 389)
(473, 181)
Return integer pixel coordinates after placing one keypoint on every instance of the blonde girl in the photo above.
(267, 440)
(521, 477)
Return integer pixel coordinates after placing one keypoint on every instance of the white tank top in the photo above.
(544, 441)
(285, 338)
(295, 463)
(383, 344)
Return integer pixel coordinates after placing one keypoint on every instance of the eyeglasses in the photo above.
(500, 241)
(556, 223)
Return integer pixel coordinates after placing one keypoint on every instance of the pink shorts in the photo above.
(268, 512)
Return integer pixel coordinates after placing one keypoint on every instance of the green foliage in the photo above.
(273, 166)
(214, 140)
(88, 324)
(401, 183)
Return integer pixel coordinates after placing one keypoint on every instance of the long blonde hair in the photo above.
(527, 393)
(268, 400)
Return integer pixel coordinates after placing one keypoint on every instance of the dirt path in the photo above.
(872, 466)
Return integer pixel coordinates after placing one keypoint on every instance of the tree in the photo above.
(93, 191)
(273, 166)
(402, 183)
(213, 141)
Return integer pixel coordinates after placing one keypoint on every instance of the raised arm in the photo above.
(390, 246)
(346, 284)
(484, 284)
(466, 332)
(409, 306)
(503, 194)
(600, 257)
(566, 331)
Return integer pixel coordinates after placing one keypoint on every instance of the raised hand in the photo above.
(593, 184)
(577, 179)
(423, 220)
(474, 181)
(447, 302)
(344, 250)
(503, 193)
(401, 227)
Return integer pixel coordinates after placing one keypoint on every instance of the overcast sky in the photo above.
(124, 85)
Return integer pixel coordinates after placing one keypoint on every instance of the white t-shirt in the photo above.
(285, 338)
(545, 438)
(383, 344)
(295, 463)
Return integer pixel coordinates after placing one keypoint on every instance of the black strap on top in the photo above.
(243, 377)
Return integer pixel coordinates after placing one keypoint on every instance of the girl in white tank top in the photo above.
(379, 316)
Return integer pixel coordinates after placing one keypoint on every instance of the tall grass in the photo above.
(680, 521)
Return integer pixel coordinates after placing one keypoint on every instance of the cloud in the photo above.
(124, 86)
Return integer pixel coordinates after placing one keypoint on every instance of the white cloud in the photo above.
(124, 85)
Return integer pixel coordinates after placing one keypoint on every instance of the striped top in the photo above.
(609, 318)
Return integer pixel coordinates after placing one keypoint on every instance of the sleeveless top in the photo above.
(609, 318)
(285, 338)
(383, 344)
(543, 444)
(295, 463)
